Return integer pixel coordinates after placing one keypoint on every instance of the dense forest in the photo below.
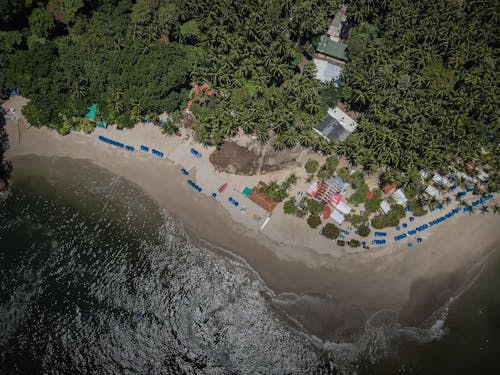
(423, 75)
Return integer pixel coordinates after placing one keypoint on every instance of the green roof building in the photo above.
(328, 47)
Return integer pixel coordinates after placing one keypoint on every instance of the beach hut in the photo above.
(399, 197)
(385, 206)
(337, 216)
(326, 213)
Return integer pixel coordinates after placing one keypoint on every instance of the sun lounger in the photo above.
(144, 148)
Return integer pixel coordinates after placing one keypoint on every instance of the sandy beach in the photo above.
(322, 286)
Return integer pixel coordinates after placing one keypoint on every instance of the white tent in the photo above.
(432, 191)
(385, 206)
(343, 207)
(337, 216)
(399, 197)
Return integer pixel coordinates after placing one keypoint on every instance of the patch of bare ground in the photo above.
(245, 156)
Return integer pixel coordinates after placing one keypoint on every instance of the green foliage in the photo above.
(41, 23)
(359, 196)
(421, 88)
(65, 10)
(279, 192)
(415, 207)
(312, 166)
(373, 204)
(328, 168)
(355, 219)
(354, 243)
(289, 207)
(343, 173)
(341, 243)
(315, 207)
(391, 219)
(330, 231)
(364, 230)
(314, 221)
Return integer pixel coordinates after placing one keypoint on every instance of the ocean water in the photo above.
(94, 278)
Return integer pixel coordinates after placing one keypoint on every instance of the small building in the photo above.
(336, 50)
(327, 72)
(385, 206)
(260, 199)
(313, 189)
(336, 125)
(399, 197)
(388, 188)
(482, 176)
(432, 191)
(326, 213)
(424, 174)
(438, 179)
(330, 188)
(343, 207)
(336, 24)
(337, 217)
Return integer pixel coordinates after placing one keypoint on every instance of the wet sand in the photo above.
(330, 294)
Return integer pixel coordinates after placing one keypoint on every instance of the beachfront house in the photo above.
(261, 199)
(336, 125)
(399, 197)
(330, 187)
(327, 72)
(432, 191)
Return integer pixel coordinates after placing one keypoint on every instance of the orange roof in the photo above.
(190, 103)
(370, 195)
(260, 199)
(326, 213)
(471, 165)
(388, 187)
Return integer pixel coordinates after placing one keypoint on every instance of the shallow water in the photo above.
(94, 278)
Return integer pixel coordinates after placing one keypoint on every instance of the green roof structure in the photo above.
(333, 49)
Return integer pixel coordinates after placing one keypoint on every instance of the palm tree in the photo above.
(496, 209)
(484, 209)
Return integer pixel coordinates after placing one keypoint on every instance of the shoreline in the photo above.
(350, 285)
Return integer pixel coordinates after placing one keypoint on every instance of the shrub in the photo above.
(330, 231)
(290, 207)
(359, 195)
(363, 230)
(301, 213)
(356, 219)
(343, 173)
(312, 166)
(341, 243)
(314, 221)
(315, 207)
(354, 243)
(391, 219)
(373, 204)
(416, 208)
(356, 180)
(332, 163)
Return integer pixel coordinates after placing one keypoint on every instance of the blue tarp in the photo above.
(157, 153)
(144, 148)
(111, 142)
(129, 148)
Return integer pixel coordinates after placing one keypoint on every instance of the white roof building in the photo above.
(482, 176)
(432, 191)
(438, 179)
(385, 206)
(327, 72)
(399, 197)
(337, 216)
(343, 207)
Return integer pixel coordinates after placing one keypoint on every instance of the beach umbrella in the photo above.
(214, 195)
(412, 219)
(410, 244)
(398, 227)
(405, 225)
(419, 240)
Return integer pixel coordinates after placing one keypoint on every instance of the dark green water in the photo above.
(94, 278)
